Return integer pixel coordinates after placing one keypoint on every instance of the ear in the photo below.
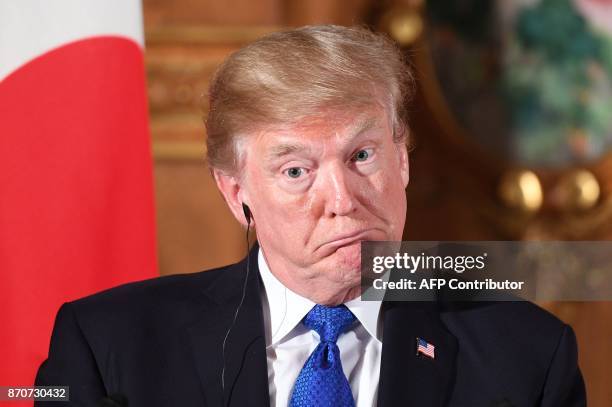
(233, 193)
(404, 165)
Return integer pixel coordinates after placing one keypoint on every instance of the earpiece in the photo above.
(247, 212)
(248, 215)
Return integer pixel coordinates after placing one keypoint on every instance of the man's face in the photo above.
(316, 190)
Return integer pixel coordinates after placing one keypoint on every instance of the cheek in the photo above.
(349, 257)
(382, 187)
(392, 179)
(387, 198)
(283, 220)
(277, 203)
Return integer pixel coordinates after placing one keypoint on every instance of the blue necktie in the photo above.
(322, 383)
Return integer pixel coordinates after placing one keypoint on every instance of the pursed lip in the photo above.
(344, 240)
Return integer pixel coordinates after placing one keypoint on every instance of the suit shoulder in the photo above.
(154, 293)
(512, 313)
(526, 315)
(520, 326)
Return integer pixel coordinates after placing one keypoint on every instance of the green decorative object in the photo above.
(531, 80)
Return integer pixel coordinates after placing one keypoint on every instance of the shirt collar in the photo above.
(286, 309)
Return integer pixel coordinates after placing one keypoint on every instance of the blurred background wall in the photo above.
(512, 126)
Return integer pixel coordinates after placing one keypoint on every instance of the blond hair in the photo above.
(287, 76)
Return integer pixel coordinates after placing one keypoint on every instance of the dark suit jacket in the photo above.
(158, 343)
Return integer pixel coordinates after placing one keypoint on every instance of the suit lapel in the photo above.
(408, 379)
(246, 374)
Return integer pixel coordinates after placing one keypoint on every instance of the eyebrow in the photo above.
(356, 130)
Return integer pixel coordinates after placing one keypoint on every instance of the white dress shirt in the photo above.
(289, 343)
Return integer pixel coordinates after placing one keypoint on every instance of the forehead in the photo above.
(339, 127)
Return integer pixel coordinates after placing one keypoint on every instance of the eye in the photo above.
(294, 172)
(361, 155)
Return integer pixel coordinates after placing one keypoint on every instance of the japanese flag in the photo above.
(76, 189)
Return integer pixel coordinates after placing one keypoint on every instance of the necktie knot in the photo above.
(329, 322)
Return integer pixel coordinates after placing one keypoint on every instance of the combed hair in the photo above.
(287, 76)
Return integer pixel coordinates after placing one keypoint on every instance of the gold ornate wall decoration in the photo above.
(182, 151)
(179, 62)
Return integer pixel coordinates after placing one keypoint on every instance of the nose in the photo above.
(338, 191)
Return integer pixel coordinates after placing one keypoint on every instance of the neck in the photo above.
(341, 298)
(321, 294)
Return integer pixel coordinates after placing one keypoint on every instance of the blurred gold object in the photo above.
(206, 34)
(404, 25)
(521, 189)
(179, 151)
(578, 190)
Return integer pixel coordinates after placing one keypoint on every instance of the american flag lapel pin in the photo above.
(425, 348)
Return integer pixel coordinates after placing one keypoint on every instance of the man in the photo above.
(307, 133)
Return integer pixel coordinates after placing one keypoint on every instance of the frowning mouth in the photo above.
(345, 240)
